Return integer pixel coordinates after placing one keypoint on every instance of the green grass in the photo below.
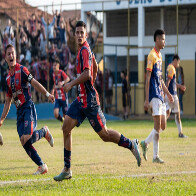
(101, 168)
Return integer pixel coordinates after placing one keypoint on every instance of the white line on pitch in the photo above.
(123, 176)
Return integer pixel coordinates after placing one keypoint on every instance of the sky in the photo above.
(55, 2)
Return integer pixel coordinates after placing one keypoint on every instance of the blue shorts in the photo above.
(59, 103)
(94, 114)
(26, 119)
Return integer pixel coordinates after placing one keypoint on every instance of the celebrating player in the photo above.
(87, 105)
(18, 86)
(61, 99)
(172, 86)
(155, 89)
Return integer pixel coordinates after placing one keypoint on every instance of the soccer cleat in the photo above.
(1, 139)
(181, 135)
(135, 151)
(48, 136)
(64, 175)
(158, 160)
(144, 149)
(42, 169)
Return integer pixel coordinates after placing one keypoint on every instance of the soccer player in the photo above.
(172, 86)
(61, 99)
(87, 105)
(1, 139)
(155, 89)
(18, 86)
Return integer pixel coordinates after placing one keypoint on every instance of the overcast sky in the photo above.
(55, 2)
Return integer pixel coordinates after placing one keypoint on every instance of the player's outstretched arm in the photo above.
(5, 109)
(38, 87)
(85, 75)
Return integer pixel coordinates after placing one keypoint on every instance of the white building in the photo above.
(145, 17)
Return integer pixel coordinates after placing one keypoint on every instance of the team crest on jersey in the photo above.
(26, 123)
(92, 122)
(17, 81)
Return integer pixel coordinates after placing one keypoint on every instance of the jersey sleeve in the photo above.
(85, 61)
(150, 62)
(26, 75)
(64, 75)
(170, 72)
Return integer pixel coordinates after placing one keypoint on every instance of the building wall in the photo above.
(186, 46)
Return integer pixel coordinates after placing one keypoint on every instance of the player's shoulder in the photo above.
(171, 67)
(152, 54)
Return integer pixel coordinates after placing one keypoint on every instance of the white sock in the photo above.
(155, 144)
(149, 138)
(179, 124)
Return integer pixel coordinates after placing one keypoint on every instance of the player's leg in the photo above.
(72, 119)
(178, 122)
(157, 128)
(56, 110)
(28, 136)
(1, 139)
(98, 122)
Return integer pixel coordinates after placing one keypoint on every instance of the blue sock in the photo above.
(125, 142)
(37, 135)
(30, 150)
(67, 158)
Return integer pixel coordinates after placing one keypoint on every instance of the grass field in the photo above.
(101, 168)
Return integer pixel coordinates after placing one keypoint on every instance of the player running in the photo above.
(61, 98)
(172, 86)
(155, 89)
(87, 105)
(18, 86)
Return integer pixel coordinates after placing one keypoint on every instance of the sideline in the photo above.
(112, 177)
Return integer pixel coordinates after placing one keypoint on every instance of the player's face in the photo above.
(161, 41)
(80, 35)
(55, 66)
(10, 57)
(177, 63)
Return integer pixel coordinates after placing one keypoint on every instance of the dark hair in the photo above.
(57, 60)
(176, 57)
(80, 23)
(158, 32)
(8, 46)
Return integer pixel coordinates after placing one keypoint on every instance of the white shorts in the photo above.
(173, 106)
(158, 107)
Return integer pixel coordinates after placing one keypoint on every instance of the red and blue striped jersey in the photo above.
(18, 85)
(59, 77)
(88, 95)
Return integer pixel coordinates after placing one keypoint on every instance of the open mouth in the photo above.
(11, 60)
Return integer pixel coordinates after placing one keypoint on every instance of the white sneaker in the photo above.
(135, 151)
(42, 169)
(48, 136)
(1, 139)
(64, 175)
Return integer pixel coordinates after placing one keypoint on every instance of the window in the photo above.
(117, 23)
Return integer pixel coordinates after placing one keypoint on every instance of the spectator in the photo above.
(65, 56)
(124, 95)
(99, 86)
(109, 92)
(181, 82)
(8, 29)
(4, 72)
(49, 28)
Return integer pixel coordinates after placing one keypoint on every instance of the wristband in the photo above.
(47, 94)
